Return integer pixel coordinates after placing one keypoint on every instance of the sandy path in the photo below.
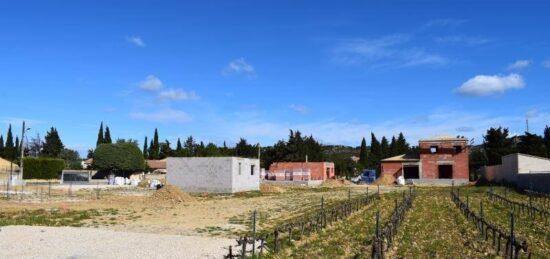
(68, 242)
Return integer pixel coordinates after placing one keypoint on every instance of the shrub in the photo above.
(42, 168)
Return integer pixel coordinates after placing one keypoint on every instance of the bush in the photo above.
(42, 168)
(118, 158)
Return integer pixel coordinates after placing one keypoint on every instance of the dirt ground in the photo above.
(142, 211)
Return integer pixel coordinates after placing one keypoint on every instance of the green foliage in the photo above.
(363, 153)
(145, 149)
(477, 159)
(243, 149)
(165, 150)
(402, 147)
(42, 167)
(532, 144)
(293, 150)
(384, 148)
(9, 148)
(71, 158)
(100, 136)
(123, 157)
(52, 146)
(154, 148)
(107, 139)
(497, 144)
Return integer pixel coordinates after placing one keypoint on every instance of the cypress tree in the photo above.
(150, 150)
(547, 140)
(363, 153)
(9, 149)
(1, 145)
(100, 139)
(155, 146)
(107, 139)
(178, 146)
(17, 147)
(145, 150)
(375, 151)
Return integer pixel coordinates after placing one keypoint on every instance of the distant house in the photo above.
(301, 171)
(214, 174)
(440, 159)
(156, 166)
(6, 166)
(525, 171)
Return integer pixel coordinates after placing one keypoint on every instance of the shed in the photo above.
(214, 174)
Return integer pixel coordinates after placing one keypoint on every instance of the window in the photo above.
(433, 149)
(252, 170)
(239, 168)
(457, 149)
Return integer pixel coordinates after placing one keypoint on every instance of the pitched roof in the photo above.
(403, 158)
(5, 165)
(156, 164)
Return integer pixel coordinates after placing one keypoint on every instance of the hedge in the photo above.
(42, 168)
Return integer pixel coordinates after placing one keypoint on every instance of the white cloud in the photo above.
(299, 108)
(460, 39)
(520, 64)
(239, 66)
(163, 116)
(389, 51)
(546, 63)
(151, 83)
(136, 41)
(177, 95)
(444, 23)
(483, 85)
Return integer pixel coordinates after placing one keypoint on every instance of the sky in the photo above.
(222, 70)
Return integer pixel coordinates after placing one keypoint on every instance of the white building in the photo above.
(214, 174)
(525, 171)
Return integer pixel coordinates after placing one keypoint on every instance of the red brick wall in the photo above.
(318, 169)
(391, 168)
(445, 152)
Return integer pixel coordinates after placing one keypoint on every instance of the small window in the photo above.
(457, 149)
(433, 149)
(252, 170)
(239, 168)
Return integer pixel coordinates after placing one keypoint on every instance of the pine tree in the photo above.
(363, 153)
(107, 139)
(165, 150)
(547, 140)
(52, 145)
(532, 144)
(100, 136)
(402, 147)
(384, 148)
(497, 144)
(145, 150)
(393, 147)
(190, 147)
(9, 149)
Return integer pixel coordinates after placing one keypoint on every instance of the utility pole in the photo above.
(23, 130)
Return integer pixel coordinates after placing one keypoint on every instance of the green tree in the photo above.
(17, 148)
(477, 159)
(393, 147)
(145, 149)
(120, 158)
(165, 150)
(52, 145)
(71, 158)
(100, 135)
(190, 147)
(363, 153)
(107, 139)
(2, 148)
(9, 148)
(243, 149)
(401, 145)
(497, 144)
(547, 140)
(375, 152)
(154, 149)
(532, 144)
(179, 147)
(384, 148)
(211, 150)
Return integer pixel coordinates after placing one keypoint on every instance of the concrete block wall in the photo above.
(214, 174)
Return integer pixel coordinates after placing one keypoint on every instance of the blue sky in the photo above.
(220, 70)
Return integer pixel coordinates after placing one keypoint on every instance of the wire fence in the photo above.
(513, 246)
(519, 207)
(275, 240)
(46, 192)
(383, 236)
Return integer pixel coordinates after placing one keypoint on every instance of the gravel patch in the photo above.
(68, 242)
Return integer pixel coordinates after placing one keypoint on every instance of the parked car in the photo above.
(367, 176)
